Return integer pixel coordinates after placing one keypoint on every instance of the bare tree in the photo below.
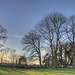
(46, 29)
(2, 52)
(22, 59)
(3, 36)
(7, 50)
(47, 60)
(32, 41)
(12, 53)
(58, 20)
(70, 31)
(52, 28)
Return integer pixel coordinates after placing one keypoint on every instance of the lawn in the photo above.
(37, 71)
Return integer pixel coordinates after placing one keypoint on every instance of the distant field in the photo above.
(36, 71)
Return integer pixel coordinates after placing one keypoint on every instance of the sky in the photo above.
(20, 16)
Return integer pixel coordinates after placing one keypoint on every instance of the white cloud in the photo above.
(17, 36)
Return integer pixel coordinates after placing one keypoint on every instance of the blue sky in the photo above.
(19, 16)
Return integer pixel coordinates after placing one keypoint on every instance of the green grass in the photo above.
(36, 71)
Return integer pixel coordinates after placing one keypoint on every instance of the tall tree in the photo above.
(45, 27)
(32, 41)
(52, 28)
(3, 36)
(58, 20)
(70, 31)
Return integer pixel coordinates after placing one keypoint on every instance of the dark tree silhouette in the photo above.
(32, 40)
(52, 28)
(22, 59)
(70, 31)
(3, 36)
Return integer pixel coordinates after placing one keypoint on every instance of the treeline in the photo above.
(8, 56)
(55, 33)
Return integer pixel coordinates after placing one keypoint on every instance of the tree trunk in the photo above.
(61, 59)
(74, 60)
(53, 66)
(39, 52)
(55, 59)
(40, 59)
(57, 44)
(74, 46)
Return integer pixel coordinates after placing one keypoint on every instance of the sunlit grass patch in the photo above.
(36, 71)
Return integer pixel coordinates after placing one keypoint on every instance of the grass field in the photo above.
(36, 71)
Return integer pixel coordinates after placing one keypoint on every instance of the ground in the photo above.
(37, 71)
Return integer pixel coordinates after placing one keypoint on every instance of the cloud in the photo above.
(17, 36)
